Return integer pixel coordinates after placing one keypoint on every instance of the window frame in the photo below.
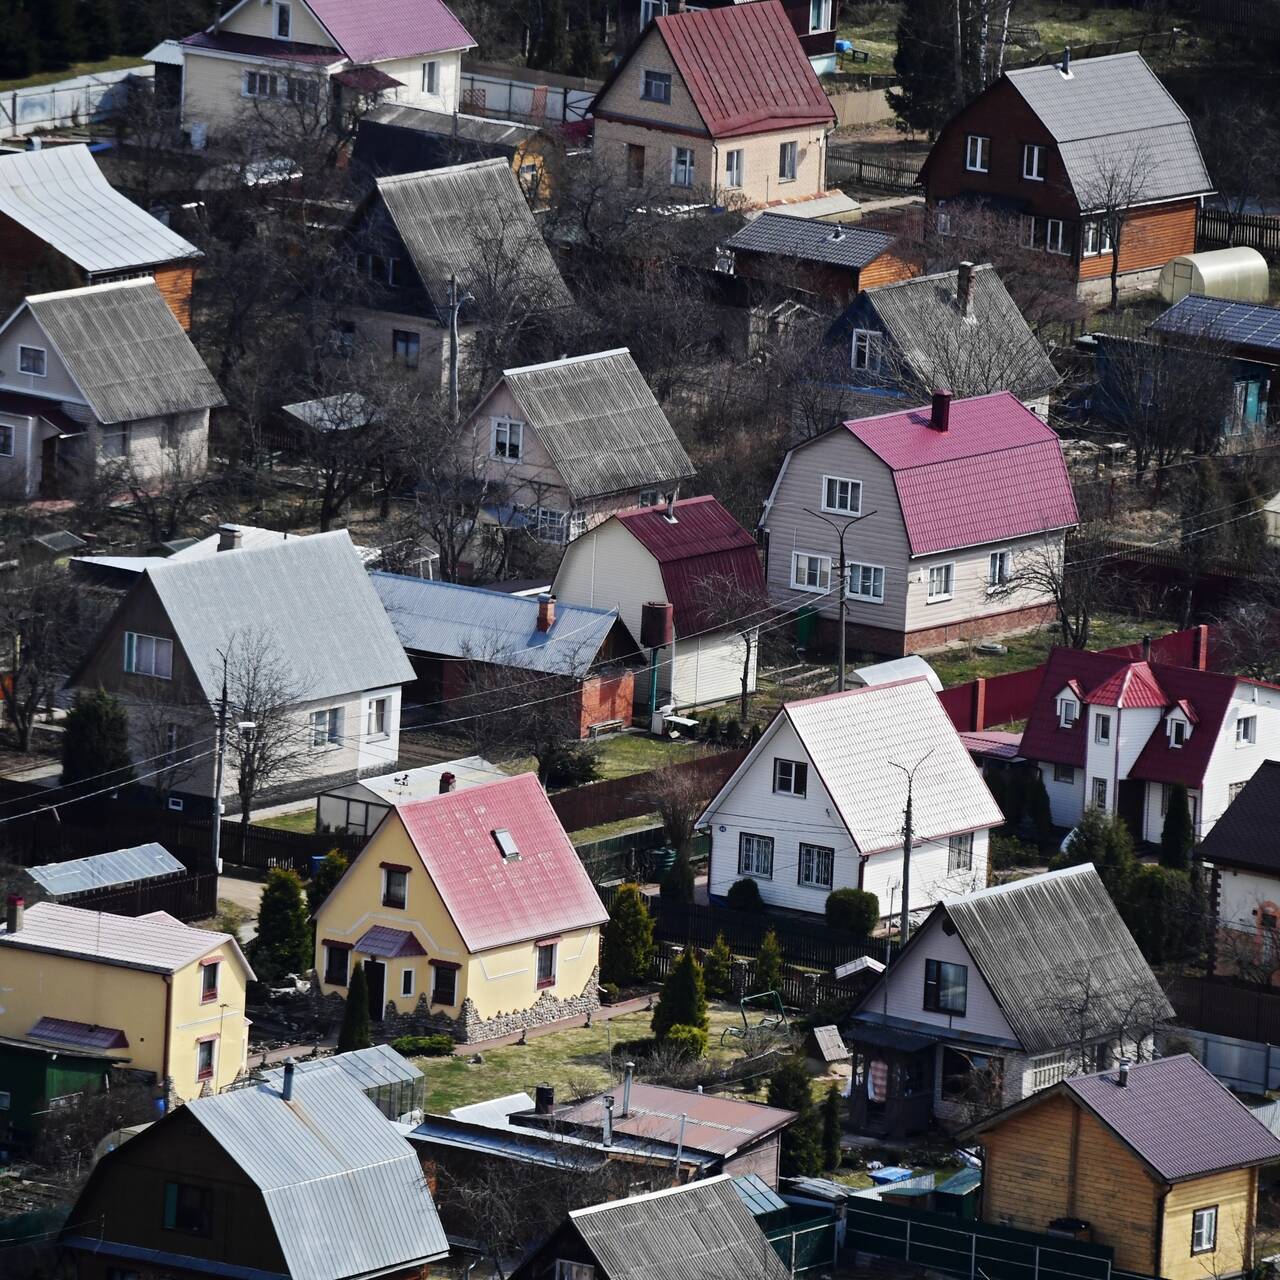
(981, 162)
(823, 586)
(169, 1220)
(651, 77)
(1033, 152)
(209, 1043)
(999, 568)
(949, 591)
(825, 8)
(870, 341)
(1210, 1213)
(437, 971)
(213, 967)
(1247, 731)
(855, 509)
(1070, 771)
(682, 169)
(260, 84)
(43, 370)
(328, 734)
(131, 651)
(796, 771)
(943, 224)
(282, 9)
(431, 77)
(1026, 222)
(934, 987)
(331, 952)
(543, 951)
(788, 161)
(114, 439)
(1177, 728)
(855, 571)
(411, 342)
(1056, 245)
(388, 899)
(817, 856)
(408, 983)
(1095, 238)
(734, 169)
(1098, 794)
(960, 852)
(759, 846)
(503, 434)
(378, 719)
(1102, 728)
(8, 440)
(1061, 707)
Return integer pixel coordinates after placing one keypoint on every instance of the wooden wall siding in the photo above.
(890, 267)
(1235, 1194)
(176, 283)
(1025, 1159)
(1150, 237)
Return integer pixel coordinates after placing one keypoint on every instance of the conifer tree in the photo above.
(684, 998)
(355, 1033)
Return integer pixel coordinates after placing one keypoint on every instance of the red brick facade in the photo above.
(896, 644)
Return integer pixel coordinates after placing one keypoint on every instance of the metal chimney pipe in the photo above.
(684, 1115)
(286, 1090)
(1146, 648)
(940, 412)
(16, 911)
(1122, 1073)
(608, 1119)
(230, 537)
(626, 1088)
(1066, 60)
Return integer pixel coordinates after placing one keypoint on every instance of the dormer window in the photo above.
(1068, 711)
(1178, 729)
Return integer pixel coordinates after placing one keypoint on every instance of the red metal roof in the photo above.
(1134, 686)
(367, 80)
(704, 541)
(82, 1035)
(261, 47)
(996, 473)
(745, 69)
(1209, 693)
(383, 940)
(375, 30)
(495, 901)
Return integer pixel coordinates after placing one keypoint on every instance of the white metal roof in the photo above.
(121, 866)
(420, 783)
(911, 667)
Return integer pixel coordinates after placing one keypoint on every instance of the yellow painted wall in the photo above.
(505, 979)
(192, 1021)
(1235, 1194)
(257, 19)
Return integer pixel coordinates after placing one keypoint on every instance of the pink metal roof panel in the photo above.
(382, 940)
(1044, 738)
(1134, 686)
(81, 1035)
(1208, 693)
(492, 900)
(375, 30)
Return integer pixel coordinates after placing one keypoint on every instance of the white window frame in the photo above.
(379, 719)
(1027, 230)
(114, 440)
(407, 983)
(1065, 773)
(977, 153)
(1055, 244)
(946, 582)
(1098, 794)
(1102, 728)
(650, 9)
(326, 727)
(649, 77)
(541, 949)
(788, 161)
(786, 774)
(566, 1270)
(282, 7)
(1204, 1230)
(868, 340)
(866, 582)
(1095, 238)
(1177, 729)
(831, 487)
(503, 434)
(1246, 731)
(137, 645)
(1033, 161)
(960, 852)
(1233, 790)
(999, 568)
(822, 9)
(551, 525)
(387, 873)
(734, 169)
(431, 78)
(943, 223)
(260, 84)
(649, 498)
(812, 860)
(1068, 713)
(24, 351)
(7, 440)
(753, 850)
(823, 572)
(412, 354)
(682, 167)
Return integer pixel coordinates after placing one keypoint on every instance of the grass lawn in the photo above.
(607, 830)
(303, 820)
(626, 753)
(116, 63)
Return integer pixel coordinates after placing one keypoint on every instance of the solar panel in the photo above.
(1243, 324)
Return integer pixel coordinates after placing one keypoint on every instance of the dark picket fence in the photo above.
(190, 896)
(847, 164)
(798, 990)
(1221, 229)
(1225, 1008)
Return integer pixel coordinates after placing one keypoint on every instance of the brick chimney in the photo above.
(229, 537)
(447, 783)
(964, 287)
(546, 612)
(940, 414)
(15, 912)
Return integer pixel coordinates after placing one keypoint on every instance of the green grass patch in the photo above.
(303, 820)
(116, 63)
(607, 830)
(628, 753)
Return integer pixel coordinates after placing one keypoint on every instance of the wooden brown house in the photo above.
(1157, 1160)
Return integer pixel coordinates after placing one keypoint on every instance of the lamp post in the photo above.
(904, 926)
(841, 529)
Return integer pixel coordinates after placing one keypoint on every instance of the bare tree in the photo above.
(1249, 631)
(165, 737)
(1239, 133)
(679, 797)
(1120, 175)
(1065, 576)
(726, 601)
(166, 497)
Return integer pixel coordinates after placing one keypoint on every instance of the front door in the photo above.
(1129, 805)
(49, 468)
(375, 976)
(635, 165)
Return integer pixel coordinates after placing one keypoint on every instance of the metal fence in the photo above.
(75, 103)
(805, 1245)
(848, 164)
(631, 856)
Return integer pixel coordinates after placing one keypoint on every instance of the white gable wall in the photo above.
(409, 71)
(254, 18)
(1231, 763)
(57, 384)
(1241, 893)
(931, 881)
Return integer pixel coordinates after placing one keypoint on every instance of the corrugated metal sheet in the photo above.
(60, 195)
(126, 350)
(495, 1113)
(310, 597)
(1244, 324)
(81, 1035)
(1036, 940)
(810, 240)
(597, 418)
(497, 133)
(240, 45)
(122, 866)
(369, 1068)
(344, 1190)
(377, 30)
(701, 1231)
(461, 220)
(1133, 686)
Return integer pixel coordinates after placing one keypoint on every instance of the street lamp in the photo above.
(841, 529)
(904, 926)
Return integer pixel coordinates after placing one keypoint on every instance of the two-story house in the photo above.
(96, 378)
(328, 693)
(1118, 735)
(319, 54)
(570, 442)
(147, 991)
(999, 994)
(952, 493)
(1077, 153)
(470, 912)
(819, 803)
(718, 105)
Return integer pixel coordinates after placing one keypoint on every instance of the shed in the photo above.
(1239, 274)
(106, 870)
(1271, 514)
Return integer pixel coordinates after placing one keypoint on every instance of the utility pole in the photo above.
(456, 302)
(220, 750)
(841, 529)
(908, 830)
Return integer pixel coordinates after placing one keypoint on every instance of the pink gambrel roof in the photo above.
(1133, 686)
(376, 30)
(493, 901)
(996, 473)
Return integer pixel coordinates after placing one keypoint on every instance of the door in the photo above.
(635, 165)
(1130, 801)
(49, 468)
(375, 976)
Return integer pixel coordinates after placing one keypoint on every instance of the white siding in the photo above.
(931, 882)
(1066, 799)
(20, 474)
(409, 72)
(1133, 727)
(1231, 763)
(709, 669)
(1240, 893)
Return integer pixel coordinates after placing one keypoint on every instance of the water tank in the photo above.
(657, 624)
(1239, 274)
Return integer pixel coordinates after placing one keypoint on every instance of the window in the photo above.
(380, 269)
(865, 353)
(6, 1099)
(656, 86)
(681, 167)
(205, 1057)
(335, 965)
(1246, 731)
(378, 718)
(1048, 1069)
(170, 432)
(817, 866)
(546, 964)
(395, 887)
(148, 655)
(284, 21)
(999, 565)
(650, 9)
(1068, 712)
(944, 224)
(209, 982)
(1027, 230)
(1096, 239)
(176, 804)
(1204, 1230)
(406, 982)
(343, 338)
(444, 985)
(508, 439)
(574, 1270)
(790, 777)
(259, 84)
(755, 856)
(550, 525)
(1233, 790)
(1177, 733)
(941, 581)
(1098, 793)
(187, 1208)
(841, 495)
(306, 90)
(1055, 235)
(1101, 727)
(866, 582)
(648, 498)
(787, 162)
(406, 345)
(960, 852)
(635, 165)
(968, 1075)
(733, 168)
(976, 150)
(326, 727)
(1065, 773)
(819, 15)
(115, 441)
(33, 360)
(1033, 162)
(810, 573)
(946, 987)
(430, 77)
(6, 441)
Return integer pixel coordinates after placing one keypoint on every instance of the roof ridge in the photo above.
(555, 364)
(935, 275)
(398, 179)
(133, 282)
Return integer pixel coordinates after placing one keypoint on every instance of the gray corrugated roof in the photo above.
(344, 1190)
(700, 1231)
(448, 124)
(597, 418)
(810, 240)
(60, 195)
(460, 622)
(379, 1064)
(310, 598)
(1113, 116)
(1041, 941)
(126, 350)
(121, 866)
(473, 220)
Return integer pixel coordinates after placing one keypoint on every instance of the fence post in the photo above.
(973, 1256)
(1035, 1275)
(908, 1254)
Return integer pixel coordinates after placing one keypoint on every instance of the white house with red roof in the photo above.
(330, 54)
(1116, 734)
(950, 495)
(470, 912)
(694, 557)
(819, 802)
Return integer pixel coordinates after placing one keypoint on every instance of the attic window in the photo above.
(1068, 712)
(506, 843)
(1177, 728)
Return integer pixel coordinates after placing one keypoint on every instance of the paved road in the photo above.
(246, 894)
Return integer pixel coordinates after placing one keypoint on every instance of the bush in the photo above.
(1177, 837)
(1039, 812)
(744, 895)
(756, 734)
(95, 739)
(626, 955)
(832, 1129)
(684, 998)
(713, 729)
(678, 884)
(1009, 851)
(609, 992)
(769, 964)
(854, 910)
(635, 1050)
(354, 1032)
(733, 733)
(434, 1046)
(717, 968)
(686, 1039)
(332, 868)
(570, 766)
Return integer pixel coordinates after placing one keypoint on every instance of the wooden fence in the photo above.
(191, 896)
(798, 990)
(847, 164)
(1221, 229)
(1250, 20)
(1227, 1008)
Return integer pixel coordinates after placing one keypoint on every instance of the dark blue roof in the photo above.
(1245, 324)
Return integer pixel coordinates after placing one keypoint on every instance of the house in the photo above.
(818, 804)
(299, 1178)
(573, 441)
(998, 995)
(459, 639)
(832, 260)
(704, 1228)
(957, 329)
(148, 991)
(1072, 150)
(96, 378)
(1158, 1158)
(62, 224)
(415, 232)
(692, 556)
(331, 56)
(471, 913)
(960, 490)
(162, 654)
(1116, 734)
(718, 106)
